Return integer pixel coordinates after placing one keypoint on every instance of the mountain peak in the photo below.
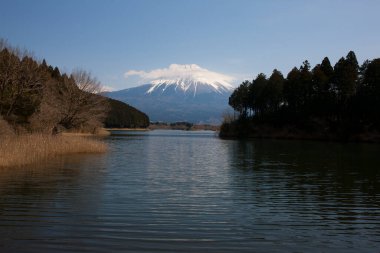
(184, 78)
(189, 85)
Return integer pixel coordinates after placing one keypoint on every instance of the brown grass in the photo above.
(99, 132)
(26, 149)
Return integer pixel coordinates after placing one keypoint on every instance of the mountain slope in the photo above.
(184, 99)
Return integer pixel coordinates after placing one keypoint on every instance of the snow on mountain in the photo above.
(187, 78)
(190, 85)
(179, 93)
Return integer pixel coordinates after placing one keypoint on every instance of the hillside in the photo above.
(37, 97)
(122, 115)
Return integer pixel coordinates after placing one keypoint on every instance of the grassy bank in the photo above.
(26, 149)
(99, 132)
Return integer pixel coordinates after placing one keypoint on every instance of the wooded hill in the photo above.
(340, 102)
(37, 97)
(122, 115)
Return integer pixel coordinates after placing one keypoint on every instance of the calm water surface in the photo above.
(174, 191)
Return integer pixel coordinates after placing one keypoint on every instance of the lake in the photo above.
(178, 191)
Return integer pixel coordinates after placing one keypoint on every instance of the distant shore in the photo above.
(169, 126)
(185, 126)
(127, 129)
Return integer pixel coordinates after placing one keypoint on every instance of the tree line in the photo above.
(344, 99)
(37, 97)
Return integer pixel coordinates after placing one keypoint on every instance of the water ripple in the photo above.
(192, 192)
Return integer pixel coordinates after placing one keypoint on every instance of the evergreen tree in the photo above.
(342, 101)
(306, 83)
(292, 91)
(371, 98)
(258, 101)
(346, 75)
(327, 69)
(239, 100)
(274, 90)
(323, 96)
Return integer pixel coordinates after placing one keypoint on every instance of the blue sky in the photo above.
(239, 38)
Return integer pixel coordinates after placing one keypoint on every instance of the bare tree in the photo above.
(72, 103)
(3, 44)
(49, 113)
(20, 86)
(35, 93)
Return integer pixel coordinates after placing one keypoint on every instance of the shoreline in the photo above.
(303, 138)
(127, 129)
(291, 133)
(156, 128)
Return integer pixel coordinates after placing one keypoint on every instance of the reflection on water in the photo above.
(176, 191)
(326, 194)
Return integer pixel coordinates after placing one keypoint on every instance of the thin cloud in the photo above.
(106, 88)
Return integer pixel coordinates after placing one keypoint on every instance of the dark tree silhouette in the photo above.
(341, 101)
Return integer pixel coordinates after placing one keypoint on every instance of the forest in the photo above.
(37, 97)
(325, 102)
(122, 115)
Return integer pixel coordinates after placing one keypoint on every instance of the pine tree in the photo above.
(274, 90)
(346, 75)
(258, 101)
(292, 90)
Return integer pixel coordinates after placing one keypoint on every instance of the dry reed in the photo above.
(26, 149)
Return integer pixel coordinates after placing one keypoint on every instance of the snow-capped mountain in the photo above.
(189, 79)
(191, 95)
(189, 86)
